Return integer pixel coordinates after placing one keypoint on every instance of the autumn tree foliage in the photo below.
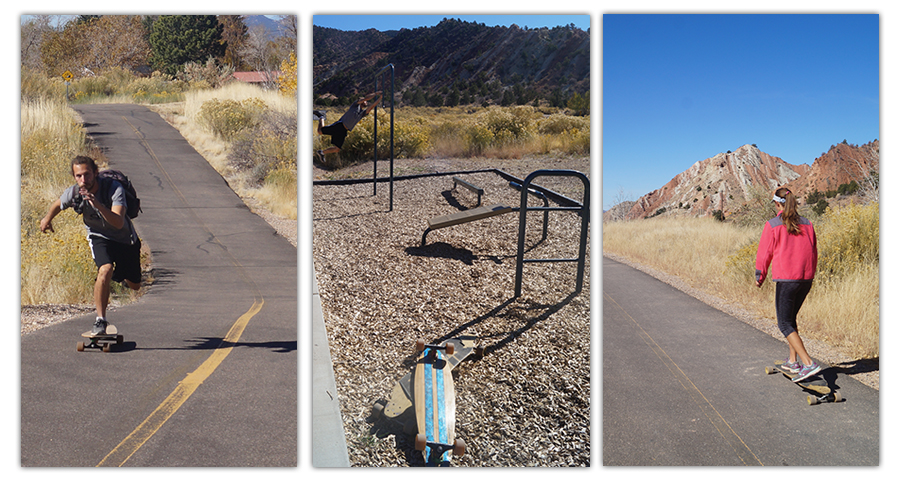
(203, 50)
(287, 81)
(95, 44)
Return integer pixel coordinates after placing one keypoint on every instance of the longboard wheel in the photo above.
(450, 348)
(119, 339)
(479, 351)
(420, 345)
(421, 440)
(377, 410)
(79, 346)
(837, 396)
(812, 400)
(107, 347)
(459, 447)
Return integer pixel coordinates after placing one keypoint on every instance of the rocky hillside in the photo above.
(475, 61)
(724, 182)
(841, 164)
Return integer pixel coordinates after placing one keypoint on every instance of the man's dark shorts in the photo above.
(125, 258)
(338, 133)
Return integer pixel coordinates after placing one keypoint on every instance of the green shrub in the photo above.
(411, 139)
(269, 143)
(478, 138)
(227, 118)
(560, 123)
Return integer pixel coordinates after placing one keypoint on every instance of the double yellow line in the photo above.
(137, 438)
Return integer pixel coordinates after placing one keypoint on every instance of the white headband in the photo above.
(778, 199)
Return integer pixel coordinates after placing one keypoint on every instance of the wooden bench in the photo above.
(464, 216)
(476, 189)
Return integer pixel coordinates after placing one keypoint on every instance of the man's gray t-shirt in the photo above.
(110, 193)
(353, 116)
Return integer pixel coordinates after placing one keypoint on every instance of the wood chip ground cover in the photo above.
(527, 401)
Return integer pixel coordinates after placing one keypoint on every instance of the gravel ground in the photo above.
(527, 401)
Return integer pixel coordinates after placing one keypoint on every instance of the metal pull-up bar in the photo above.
(584, 210)
(379, 76)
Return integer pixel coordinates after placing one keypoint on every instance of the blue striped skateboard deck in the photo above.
(435, 405)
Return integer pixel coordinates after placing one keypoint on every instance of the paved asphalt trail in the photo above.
(207, 375)
(684, 384)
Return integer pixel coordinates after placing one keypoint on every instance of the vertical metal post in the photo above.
(379, 76)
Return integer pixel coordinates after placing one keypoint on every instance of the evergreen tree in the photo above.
(179, 39)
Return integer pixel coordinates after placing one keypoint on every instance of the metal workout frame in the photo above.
(584, 210)
(379, 76)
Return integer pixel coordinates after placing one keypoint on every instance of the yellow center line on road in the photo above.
(137, 438)
(741, 449)
(127, 447)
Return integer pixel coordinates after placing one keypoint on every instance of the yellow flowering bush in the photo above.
(227, 118)
(848, 237)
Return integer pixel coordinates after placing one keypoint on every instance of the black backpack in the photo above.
(131, 198)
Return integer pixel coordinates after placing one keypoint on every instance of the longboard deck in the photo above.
(104, 341)
(111, 331)
(435, 403)
(398, 406)
(820, 391)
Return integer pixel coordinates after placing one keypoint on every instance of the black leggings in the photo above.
(789, 297)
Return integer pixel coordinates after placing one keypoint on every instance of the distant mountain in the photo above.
(476, 62)
(272, 26)
(724, 181)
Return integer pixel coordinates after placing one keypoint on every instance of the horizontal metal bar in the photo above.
(548, 260)
(554, 209)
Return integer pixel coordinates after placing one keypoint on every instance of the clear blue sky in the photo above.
(396, 22)
(682, 88)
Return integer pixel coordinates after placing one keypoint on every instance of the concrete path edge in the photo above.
(329, 444)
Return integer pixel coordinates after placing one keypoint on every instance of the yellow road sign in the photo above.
(67, 76)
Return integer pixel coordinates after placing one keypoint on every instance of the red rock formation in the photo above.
(724, 181)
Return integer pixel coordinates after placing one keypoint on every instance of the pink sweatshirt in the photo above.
(793, 257)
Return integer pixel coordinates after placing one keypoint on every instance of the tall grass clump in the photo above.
(37, 86)
(54, 267)
(689, 247)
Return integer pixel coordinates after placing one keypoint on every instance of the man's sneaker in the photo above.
(317, 114)
(99, 326)
(791, 367)
(321, 155)
(806, 371)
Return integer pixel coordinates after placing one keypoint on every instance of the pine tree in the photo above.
(179, 39)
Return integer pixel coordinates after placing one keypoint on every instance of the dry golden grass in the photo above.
(280, 197)
(54, 267)
(718, 258)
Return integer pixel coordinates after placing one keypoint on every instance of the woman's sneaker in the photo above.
(792, 367)
(806, 371)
